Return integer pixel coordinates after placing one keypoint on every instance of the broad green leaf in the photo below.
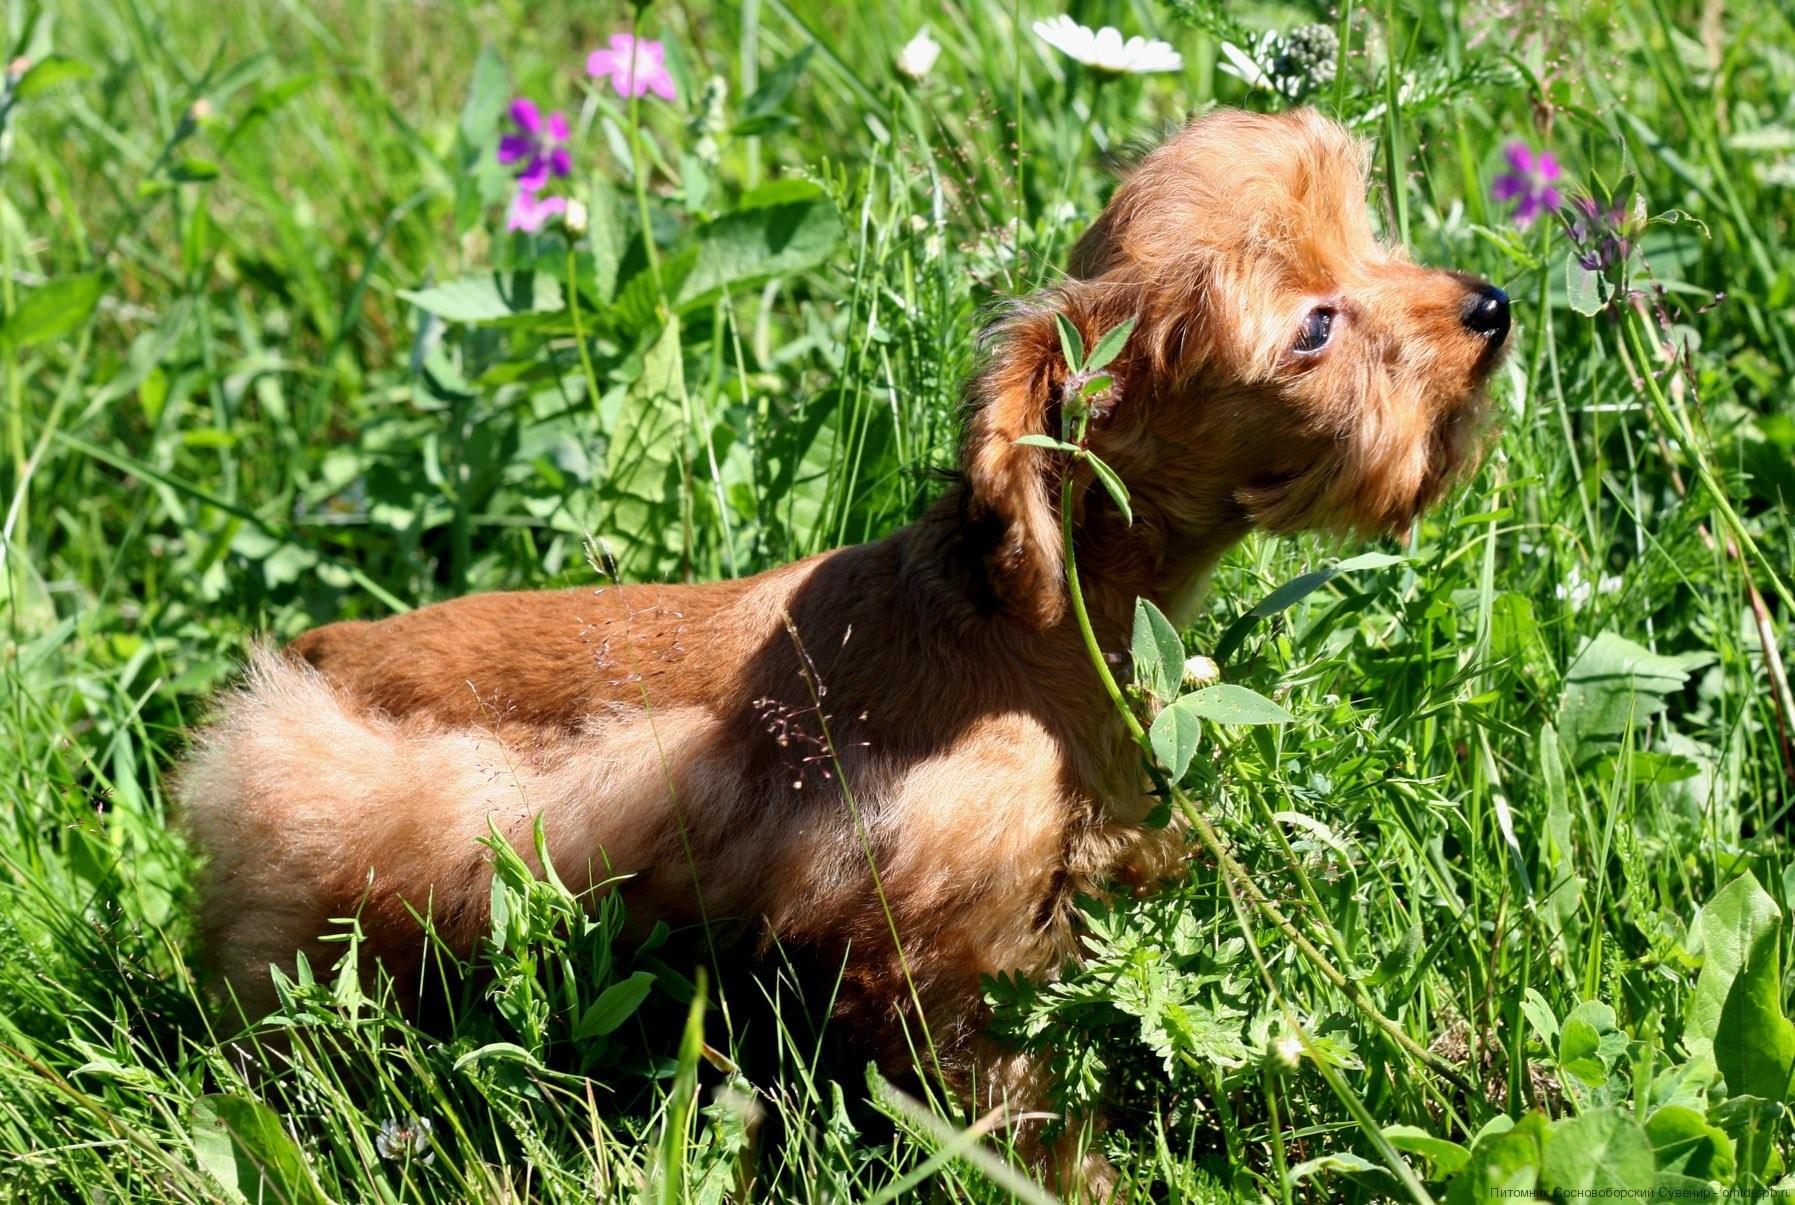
(1174, 736)
(1157, 651)
(1112, 483)
(499, 912)
(1684, 1143)
(1735, 1016)
(605, 236)
(1539, 1015)
(638, 304)
(1504, 1164)
(1749, 1121)
(1096, 385)
(1446, 1155)
(487, 91)
(1755, 1044)
(1596, 1061)
(52, 310)
(1731, 928)
(1604, 1152)
(780, 228)
(1071, 343)
(1109, 346)
(479, 179)
(242, 1145)
(1226, 703)
(1176, 729)
(615, 1005)
(1598, 1013)
(1612, 688)
(1579, 1046)
(641, 498)
(489, 297)
(1583, 288)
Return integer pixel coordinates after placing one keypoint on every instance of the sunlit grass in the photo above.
(1524, 758)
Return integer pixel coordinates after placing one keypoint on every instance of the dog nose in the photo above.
(1486, 313)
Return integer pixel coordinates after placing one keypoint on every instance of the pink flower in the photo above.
(540, 147)
(636, 66)
(1528, 182)
(529, 211)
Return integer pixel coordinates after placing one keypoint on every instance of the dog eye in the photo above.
(1318, 328)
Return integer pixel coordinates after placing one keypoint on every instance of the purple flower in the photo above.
(541, 147)
(529, 211)
(1602, 231)
(635, 66)
(1528, 183)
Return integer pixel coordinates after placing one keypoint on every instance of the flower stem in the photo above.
(1233, 873)
(1110, 686)
(579, 328)
(640, 169)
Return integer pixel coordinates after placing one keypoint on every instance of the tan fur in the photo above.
(741, 749)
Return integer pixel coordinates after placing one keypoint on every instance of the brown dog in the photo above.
(751, 750)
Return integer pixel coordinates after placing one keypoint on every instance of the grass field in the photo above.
(270, 357)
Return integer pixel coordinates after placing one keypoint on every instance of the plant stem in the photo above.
(579, 329)
(1211, 841)
(1083, 617)
(639, 170)
(1276, 1130)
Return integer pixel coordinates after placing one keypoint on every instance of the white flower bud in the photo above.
(1201, 671)
(574, 220)
(918, 56)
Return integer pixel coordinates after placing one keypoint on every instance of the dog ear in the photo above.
(1010, 503)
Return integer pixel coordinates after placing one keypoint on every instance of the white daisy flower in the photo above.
(1104, 51)
(1243, 67)
(918, 56)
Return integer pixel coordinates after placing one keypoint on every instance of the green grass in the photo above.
(1534, 799)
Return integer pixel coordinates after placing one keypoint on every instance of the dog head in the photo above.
(1288, 370)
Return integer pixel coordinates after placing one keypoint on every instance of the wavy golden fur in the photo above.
(675, 734)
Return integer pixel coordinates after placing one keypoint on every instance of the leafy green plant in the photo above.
(269, 357)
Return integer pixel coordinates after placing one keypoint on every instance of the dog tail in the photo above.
(307, 809)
